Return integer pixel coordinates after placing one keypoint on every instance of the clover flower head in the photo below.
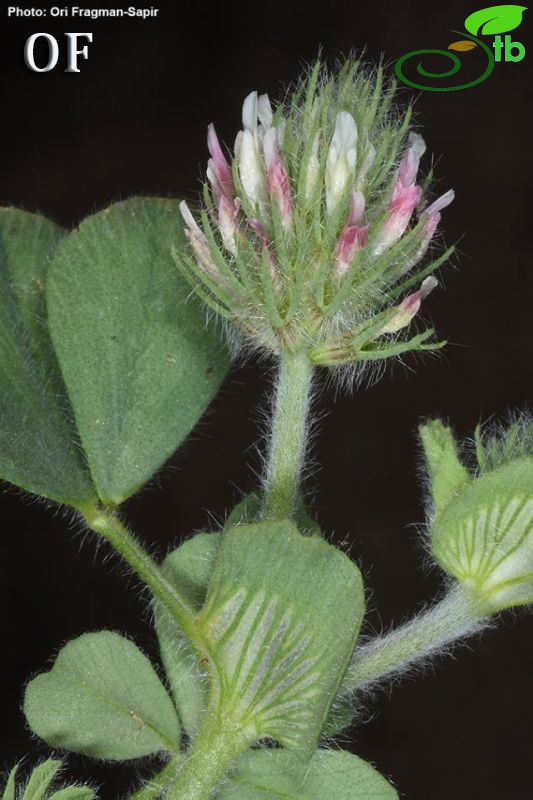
(313, 229)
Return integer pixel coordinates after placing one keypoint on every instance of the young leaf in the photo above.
(40, 782)
(102, 698)
(447, 474)
(9, 788)
(275, 775)
(40, 779)
(189, 568)
(139, 361)
(39, 447)
(341, 715)
(494, 19)
(74, 793)
(249, 510)
(281, 630)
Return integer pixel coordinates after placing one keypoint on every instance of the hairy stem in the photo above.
(288, 437)
(456, 616)
(213, 752)
(154, 788)
(109, 526)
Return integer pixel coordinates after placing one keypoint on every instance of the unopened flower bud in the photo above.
(409, 307)
(228, 213)
(218, 170)
(198, 242)
(340, 162)
(353, 234)
(312, 171)
(277, 180)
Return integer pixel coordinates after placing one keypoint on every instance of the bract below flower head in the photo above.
(482, 526)
(313, 228)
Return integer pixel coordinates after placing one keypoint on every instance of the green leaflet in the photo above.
(330, 775)
(188, 568)
(280, 642)
(447, 473)
(39, 447)
(102, 698)
(74, 793)
(249, 510)
(139, 361)
(485, 537)
(41, 779)
(40, 782)
(9, 789)
(341, 715)
(494, 19)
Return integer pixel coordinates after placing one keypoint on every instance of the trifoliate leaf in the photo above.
(39, 445)
(139, 361)
(102, 698)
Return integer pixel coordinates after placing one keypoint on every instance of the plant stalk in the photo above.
(155, 787)
(457, 615)
(288, 437)
(213, 752)
(109, 526)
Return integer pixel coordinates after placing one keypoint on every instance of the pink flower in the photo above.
(405, 196)
(218, 169)
(277, 179)
(410, 306)
(432, 212)
(432, 217)
(259, 229)
(228, 215)
(353, 235)
(408, 169)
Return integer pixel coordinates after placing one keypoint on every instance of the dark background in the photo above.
(133, 121)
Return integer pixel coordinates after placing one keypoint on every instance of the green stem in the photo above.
(288, 438)
(109, 526)
(153, 788)
(212, 754)
(456, 616)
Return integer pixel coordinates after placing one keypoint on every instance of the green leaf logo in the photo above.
(495, 19)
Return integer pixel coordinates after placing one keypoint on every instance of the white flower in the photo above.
(341, 159)
(256, 120)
